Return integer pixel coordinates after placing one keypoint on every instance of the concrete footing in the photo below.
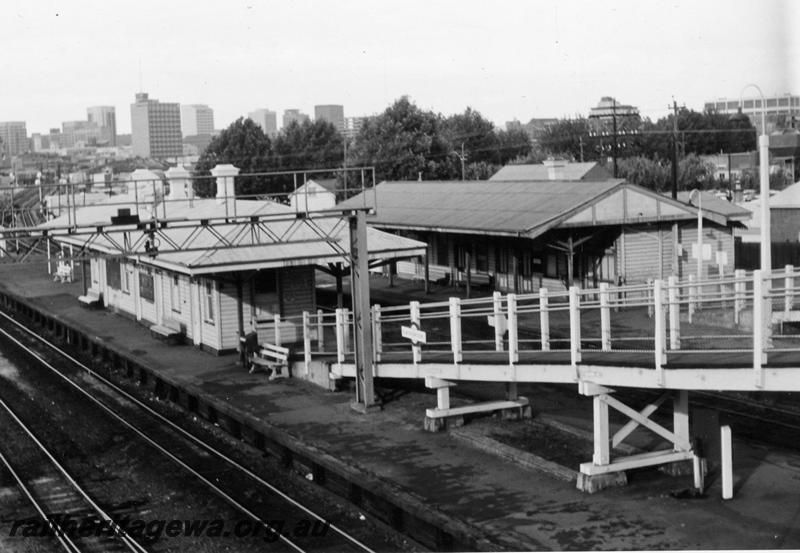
(524, 412)
(439, 424)
(678, 468)
(596, 482)
(359, 407)
(437, 420)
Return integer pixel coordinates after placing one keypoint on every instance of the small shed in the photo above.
(314, 195)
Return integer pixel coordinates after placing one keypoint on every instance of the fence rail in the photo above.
(730, 314)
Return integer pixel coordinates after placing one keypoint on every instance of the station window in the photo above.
(462, 252)
(503, 260)
(442, 253)
(175, 294)
(113, 274)
(551, 267)
(208, 303)
(125, 282)
(147, 287)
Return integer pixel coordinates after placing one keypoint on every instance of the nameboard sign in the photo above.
(414, 334)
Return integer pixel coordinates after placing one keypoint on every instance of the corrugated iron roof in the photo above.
(302, 245)
(711, 203)
(589, 170)
(490, 207)
(788, 197)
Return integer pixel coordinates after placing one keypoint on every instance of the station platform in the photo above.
(510, 506)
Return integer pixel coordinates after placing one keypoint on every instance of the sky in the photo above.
(506, 59)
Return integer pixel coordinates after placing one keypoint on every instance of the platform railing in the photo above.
(733, 313)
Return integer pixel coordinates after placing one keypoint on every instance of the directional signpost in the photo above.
(499, 323)
(414, 334)
(417, 337)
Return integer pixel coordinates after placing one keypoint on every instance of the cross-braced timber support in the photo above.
(604, 471)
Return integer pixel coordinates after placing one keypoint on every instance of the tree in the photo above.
(513, 144)
(693, 172)
(700, 133)
(402, 143)
(473, 134)
(569, 138)
(308, 145)
(646, 172)
(242, 144)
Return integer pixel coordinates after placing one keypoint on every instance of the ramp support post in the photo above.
(674, 314)
(544, 319)
(739, 289)
(455, 330)
(513, 342)
(607, 470)
(605, 318)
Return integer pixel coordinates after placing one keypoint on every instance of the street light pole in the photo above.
(699, 232)
(766, 231)
(763, 162)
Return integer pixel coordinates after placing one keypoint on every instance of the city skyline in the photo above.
(516, 60)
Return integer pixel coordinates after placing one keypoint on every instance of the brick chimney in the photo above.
(180, 185)
(555, 168)
(225, 177)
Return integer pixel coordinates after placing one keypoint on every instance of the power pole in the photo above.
(614, 145)
(674, 150)
(359, 281)
(463, 157)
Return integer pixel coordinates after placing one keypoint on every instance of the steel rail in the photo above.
(129, 542)
(186, 434)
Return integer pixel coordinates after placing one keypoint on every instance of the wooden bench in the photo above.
(274, 359)
(63, 272)
(169, 330)
(92, 299)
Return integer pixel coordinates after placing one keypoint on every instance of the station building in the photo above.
(518, 236)
(231, 266)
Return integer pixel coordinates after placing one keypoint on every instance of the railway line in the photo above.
(264, 508)
(57, 497)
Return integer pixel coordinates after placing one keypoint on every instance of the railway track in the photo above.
(58, 499)
(267, 510)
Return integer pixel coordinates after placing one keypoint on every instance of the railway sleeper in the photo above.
(401, 518)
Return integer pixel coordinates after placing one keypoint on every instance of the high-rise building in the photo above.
(332, 114)
(290, 115)
(352, 125)
(105, 117)
(611, 116)
(266, 119)
(535, 128)
(55, 138)
(13, 138)
(79, 133)
(197, 120)
(155, 128)
(782, 111)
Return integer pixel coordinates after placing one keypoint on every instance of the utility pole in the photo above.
(580, 141)
(674, 150)
(344, 166)
(614, 145)
(463, 157)
(359, 281)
